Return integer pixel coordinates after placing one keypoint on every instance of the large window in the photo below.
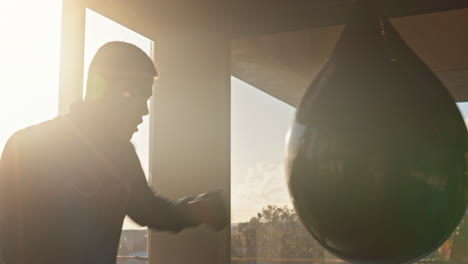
(29, 63)
(265, 228)
(100, 30)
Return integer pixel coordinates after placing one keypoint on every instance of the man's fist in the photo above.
(211, 209)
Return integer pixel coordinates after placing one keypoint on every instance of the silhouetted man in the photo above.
(67, 184)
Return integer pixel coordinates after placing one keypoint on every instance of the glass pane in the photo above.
(100, 30)
(265, 228)
(29, 64)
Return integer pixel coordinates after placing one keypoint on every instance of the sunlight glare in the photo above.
(29, 67)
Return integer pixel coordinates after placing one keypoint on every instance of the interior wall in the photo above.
(191, 124)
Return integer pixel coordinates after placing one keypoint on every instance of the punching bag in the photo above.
(376, 154)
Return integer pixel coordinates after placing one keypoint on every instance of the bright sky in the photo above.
(29, 63)
(259, 123)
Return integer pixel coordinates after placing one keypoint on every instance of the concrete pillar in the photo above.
(71, 53)
(191, 124)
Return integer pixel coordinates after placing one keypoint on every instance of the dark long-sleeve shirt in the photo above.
(65, 190)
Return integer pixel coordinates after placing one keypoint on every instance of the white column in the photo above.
(71, 53)
(191, 124)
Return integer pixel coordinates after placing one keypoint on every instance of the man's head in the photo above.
(120, 81)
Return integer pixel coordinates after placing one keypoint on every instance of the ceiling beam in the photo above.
(273, 16)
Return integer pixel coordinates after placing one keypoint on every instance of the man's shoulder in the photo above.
(40, 134)
(40, 129)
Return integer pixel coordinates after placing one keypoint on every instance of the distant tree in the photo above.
(276, 232)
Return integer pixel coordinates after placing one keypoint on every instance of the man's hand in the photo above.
(211, 209)
(185, 209)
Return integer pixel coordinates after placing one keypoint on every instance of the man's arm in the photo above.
(148, 209)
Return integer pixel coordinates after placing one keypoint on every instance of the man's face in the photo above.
(129, 104)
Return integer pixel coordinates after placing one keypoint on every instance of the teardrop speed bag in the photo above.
(376, 154)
